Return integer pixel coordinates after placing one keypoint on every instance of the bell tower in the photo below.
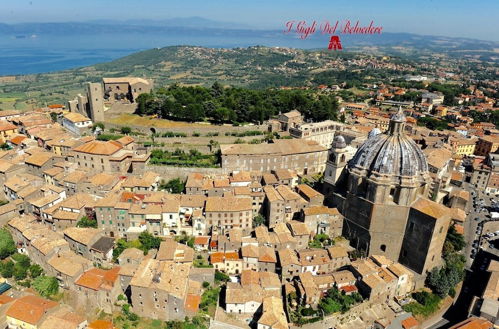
(336, 162)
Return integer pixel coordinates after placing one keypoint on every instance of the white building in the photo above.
(321, 132)
(75, 121)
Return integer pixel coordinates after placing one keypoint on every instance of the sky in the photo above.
(477, 19)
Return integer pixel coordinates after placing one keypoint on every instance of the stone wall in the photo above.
(169, 172)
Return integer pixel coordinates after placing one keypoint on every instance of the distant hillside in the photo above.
(257, 67)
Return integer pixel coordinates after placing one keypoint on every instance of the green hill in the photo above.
(255, 67)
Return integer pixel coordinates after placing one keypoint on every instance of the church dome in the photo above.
(391, 154)
(339, 142)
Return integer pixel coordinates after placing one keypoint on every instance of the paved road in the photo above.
(476, 276)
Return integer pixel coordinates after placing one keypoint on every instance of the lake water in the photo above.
(46, 53)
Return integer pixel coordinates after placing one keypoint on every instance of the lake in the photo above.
(47, 53)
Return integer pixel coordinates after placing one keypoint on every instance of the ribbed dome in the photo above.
(391, 153)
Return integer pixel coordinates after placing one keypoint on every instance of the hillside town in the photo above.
(379, 219)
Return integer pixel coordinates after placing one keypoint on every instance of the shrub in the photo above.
(46, 285)
(7, 245)
(221, 277)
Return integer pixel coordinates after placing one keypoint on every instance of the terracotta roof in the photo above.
(192, 302)
(280, 146)
(76, 117)
(129, 80)
(430, 208)
(308, 191)
(201, 240)
(43, 201)
(78, 201)
(344, 276)
(287, 194)
(69, 263)
(39, 159)
(97, 279)
(269, 178)
(298, 228)
(319, 210)
(288, 257)
(83, 235)
(266, 255)
(4, 299)
(473, 323)
(53, 171)
(30, 309)
(16, 140)
(410, 323)
(4, 125)
(194, 201)
(216, 257)
(163, 275)
(349, 288)
(99, 148)
(249, 277)
(75, 177)
(101, 324)
(273, 313)
(337, 252)
(65, 215)
(232, 256)
(219, 204)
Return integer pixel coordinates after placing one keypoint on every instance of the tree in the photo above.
(336, 301)
(98, 124)
(7, 269)
(7, 245)
(221, 277)
(86, 222)
(258, 220)
(35, 271)
(149, 241)
(175, 186)
(20, 272)
(53, 116)
(217, 89)
(125, 130)
(213, 145)
(456, 239)
(21, 259)
(46, 286)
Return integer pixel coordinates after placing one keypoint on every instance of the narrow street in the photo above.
(476, 274)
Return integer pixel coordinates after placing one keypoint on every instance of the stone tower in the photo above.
(336, 162)
(95, 101)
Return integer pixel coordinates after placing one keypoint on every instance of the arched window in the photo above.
(332, 157)
(383, 248)
(342, 158)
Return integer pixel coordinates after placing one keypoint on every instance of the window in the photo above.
(383, 247)
(411, 226)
